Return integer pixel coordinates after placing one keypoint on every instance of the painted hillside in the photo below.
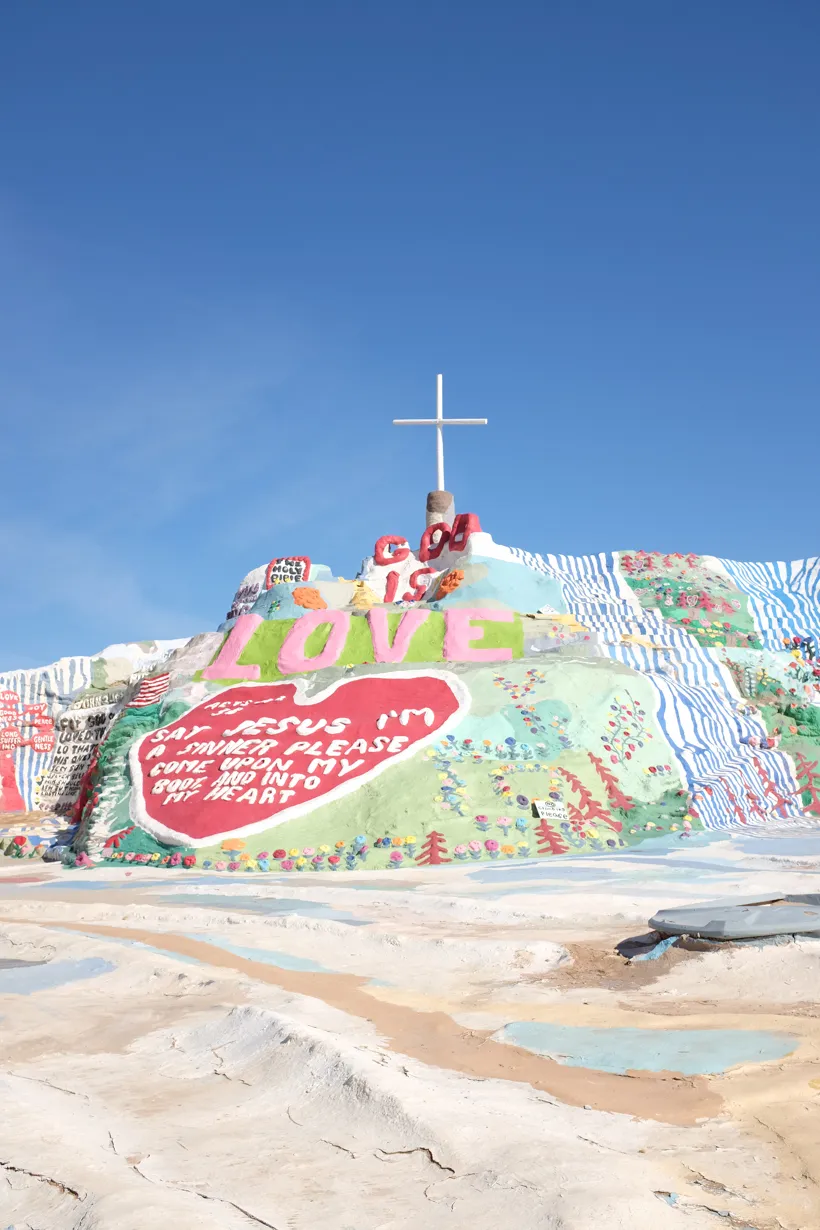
(459, 701)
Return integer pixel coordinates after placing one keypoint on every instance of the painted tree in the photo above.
(808, 783)
(20, 726)
(770, 788)
(616, 796)
(549, 841)
(589, 806)
(433, 847)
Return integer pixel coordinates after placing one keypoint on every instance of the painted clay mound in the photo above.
(462, 702)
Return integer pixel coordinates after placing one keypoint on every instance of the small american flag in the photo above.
(150, 691)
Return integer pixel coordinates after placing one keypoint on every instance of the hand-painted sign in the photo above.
(20, 726)
(549, 809)
(258, 754)
(80, 731)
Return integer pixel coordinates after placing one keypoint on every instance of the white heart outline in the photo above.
(139, 813)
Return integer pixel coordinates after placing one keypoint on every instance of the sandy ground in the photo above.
(329, 1052)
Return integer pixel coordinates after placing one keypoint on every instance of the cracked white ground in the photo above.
(237, 1068)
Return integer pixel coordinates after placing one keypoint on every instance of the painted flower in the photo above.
(264, 865)
(294, 853)
(263, 854)
(410, 841)
(398, 841)
(309, 598)
(233, 843)
(251, 865)
(300, 864)
(490, 845)
(287, 864)
(308, 851)
(233, 866)
(396, 857)
(340, 845)
(317, 860)
(460, 851)
(334, 861)
(277, 854)
(508, 850)
(155, 856)
(176, 859)
(324, 849)
(19, 840)
(220, 865)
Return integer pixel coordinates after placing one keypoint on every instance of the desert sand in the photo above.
(450, 1047)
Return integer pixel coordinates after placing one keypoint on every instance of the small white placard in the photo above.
(549, 809)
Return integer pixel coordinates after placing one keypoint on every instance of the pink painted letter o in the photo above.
(292, 658)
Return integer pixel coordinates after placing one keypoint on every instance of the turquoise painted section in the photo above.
(505, 584)
(54, 974)
(277, 603)
(268, 956)
(694, 1052)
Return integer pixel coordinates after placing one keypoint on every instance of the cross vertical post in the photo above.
(440, 422)
(440, 431)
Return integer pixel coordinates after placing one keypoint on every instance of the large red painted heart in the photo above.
(255, 755)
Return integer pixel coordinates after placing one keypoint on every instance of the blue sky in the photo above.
(237, 240)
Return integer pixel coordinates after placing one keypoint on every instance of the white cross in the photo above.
(439, 422)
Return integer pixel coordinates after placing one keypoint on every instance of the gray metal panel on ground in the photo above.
(734, 920)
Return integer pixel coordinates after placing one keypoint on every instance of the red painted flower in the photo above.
(19, 840)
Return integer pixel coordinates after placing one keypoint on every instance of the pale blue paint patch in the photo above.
(507, 584)
(53, 974)
(694, 1052)
(267, 956)
(263, 905)
(115, 939)
(401, 887)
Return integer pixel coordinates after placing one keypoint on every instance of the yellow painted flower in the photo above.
(410, 841)
(300, 862)
(522, 845)
(293, 853)
(324, 849)
(155, 857)
(592, 832)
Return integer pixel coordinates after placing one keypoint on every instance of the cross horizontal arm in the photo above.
(439, 422)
